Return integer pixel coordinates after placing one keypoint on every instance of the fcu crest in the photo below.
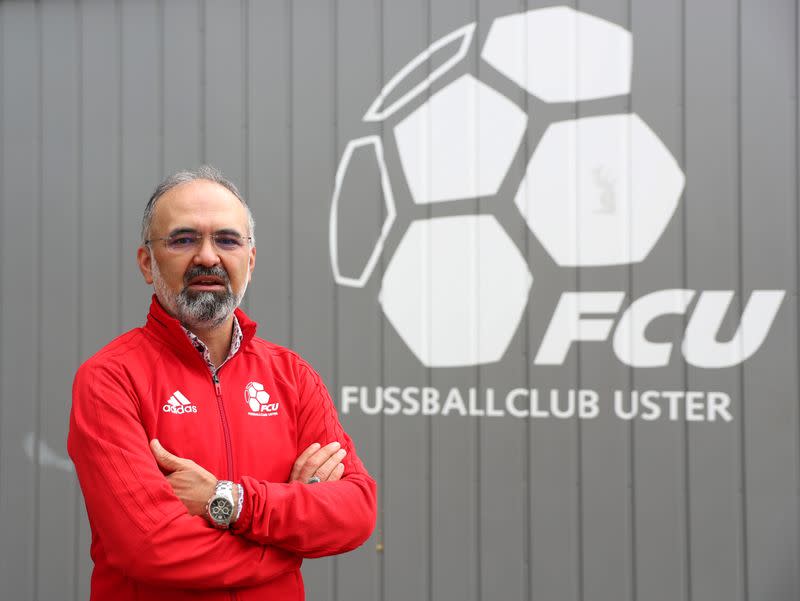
(257, 399)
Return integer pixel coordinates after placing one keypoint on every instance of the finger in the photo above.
(175, 482)
(317, 460)
(301, 460)
(326, 469)
(165, 459)
(337, 473)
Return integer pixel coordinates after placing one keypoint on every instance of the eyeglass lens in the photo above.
(191, 241)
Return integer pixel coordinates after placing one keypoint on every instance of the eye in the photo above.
(181, 241)
(228, 242)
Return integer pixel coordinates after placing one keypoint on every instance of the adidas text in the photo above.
(179, 410)
(179, 404)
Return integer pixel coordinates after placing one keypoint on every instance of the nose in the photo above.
(207, 253)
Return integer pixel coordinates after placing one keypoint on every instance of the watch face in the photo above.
(221, 510)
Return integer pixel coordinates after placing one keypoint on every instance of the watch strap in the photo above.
(221, 506)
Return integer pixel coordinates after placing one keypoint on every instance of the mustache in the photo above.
(201, 270)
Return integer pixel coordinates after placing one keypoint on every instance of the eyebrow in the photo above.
(229, 231)
(182, 230)
(190, 230)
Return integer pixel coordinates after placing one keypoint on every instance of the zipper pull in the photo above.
(217, 387)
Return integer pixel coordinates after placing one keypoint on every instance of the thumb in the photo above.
(165, 459)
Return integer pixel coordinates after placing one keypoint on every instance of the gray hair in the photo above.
(206, 172)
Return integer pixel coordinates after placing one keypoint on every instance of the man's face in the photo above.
(200, 286)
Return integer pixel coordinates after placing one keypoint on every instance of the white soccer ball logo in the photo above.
(597, 191)
(255, 396)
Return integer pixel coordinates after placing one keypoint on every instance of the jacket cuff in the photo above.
(245, 511)
(239, 502)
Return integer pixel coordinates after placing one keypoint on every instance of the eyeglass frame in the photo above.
(199, 237)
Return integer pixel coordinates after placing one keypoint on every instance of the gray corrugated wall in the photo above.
(100, 99)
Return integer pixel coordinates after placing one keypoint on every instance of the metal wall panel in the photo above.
(358, 351)
(19, 316)
(98, 100)
(408, 523)
(555, 456)
(606, 443)
(768, 176)
(711, 203)
(455, 474)
(658, 464)
(140, 145)
(223, 89)
(502, 449)
(181, 74)
(57, 502)
(269, 127)
(313, 148)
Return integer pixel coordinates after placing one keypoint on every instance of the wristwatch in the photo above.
(220, 507)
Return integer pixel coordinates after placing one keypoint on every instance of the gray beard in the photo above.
(205, 309)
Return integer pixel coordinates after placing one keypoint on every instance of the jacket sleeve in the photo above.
(144, 529)
(318, 519)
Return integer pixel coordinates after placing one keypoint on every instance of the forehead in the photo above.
(202, 205)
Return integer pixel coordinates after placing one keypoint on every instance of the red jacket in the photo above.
(152, 383)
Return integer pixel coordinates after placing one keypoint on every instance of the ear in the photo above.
(251, 263)
(145, 262)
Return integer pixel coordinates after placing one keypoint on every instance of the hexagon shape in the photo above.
(599, 190)
(561, 55)
(456, 290)
(358, 146)
(460, 142)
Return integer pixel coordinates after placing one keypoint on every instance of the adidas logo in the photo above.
(179, 404)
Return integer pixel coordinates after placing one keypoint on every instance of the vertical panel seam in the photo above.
(202, 66)
(120, 129)
(579, 373)
(244, 6)
(796, 583)
(740, 282)
(632, 535)
(290, 139)
(3, 203)
(78, 4)
(382, 341)
(37, 380)
(334, 24)
(477, 370)
(528, 463)
(685, 320)
(428, 371)
(245, 12)
(162, 54)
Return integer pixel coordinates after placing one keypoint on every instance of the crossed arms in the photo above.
(149, 525)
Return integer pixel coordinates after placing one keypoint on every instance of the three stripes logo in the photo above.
(179, 404)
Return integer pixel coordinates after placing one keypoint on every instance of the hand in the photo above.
(323, 462)
(192, 484)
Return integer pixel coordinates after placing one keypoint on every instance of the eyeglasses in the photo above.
(184, 242)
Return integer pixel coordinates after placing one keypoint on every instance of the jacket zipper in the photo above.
(225, 431)
(226, 434)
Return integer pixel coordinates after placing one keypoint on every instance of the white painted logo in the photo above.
(257, 400)
(463, 310)
(178, 404)
(597, 191)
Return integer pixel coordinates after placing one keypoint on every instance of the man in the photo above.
(211, 461)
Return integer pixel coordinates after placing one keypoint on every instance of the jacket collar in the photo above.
(167, 328)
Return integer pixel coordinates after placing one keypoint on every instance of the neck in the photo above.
(217, 339)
